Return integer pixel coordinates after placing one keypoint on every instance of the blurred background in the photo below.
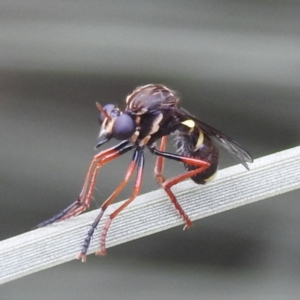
(236, 65)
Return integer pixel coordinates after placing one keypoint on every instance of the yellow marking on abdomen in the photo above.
(211, 177)
(191, 124)
(200, 140)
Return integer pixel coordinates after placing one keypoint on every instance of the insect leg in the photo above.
(89, 193)
(97, 158)
(85, 196)
(159, 166)
(167, 184)
(137, 158)
(136, 191)
(160, 162)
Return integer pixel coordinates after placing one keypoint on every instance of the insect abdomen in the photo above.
(188, 145)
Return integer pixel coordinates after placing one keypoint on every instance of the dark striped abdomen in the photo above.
(206, 150)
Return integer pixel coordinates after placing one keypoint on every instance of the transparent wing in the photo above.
(221, 139)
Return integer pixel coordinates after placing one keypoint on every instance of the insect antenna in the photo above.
(103, 111)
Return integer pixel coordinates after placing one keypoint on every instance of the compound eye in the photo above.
(123, 128)
(111, 110)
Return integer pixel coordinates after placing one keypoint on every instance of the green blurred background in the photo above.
(236, 65)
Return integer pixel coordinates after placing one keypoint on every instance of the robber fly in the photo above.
(151, 115)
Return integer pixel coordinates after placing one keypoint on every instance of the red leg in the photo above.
(84, 199)
(136, 191)
(159, 166)
(87, 196)
(167, 184)
(160, 162)
(136, 157)
(98, 161)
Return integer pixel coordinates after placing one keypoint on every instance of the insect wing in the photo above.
(221, 139)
